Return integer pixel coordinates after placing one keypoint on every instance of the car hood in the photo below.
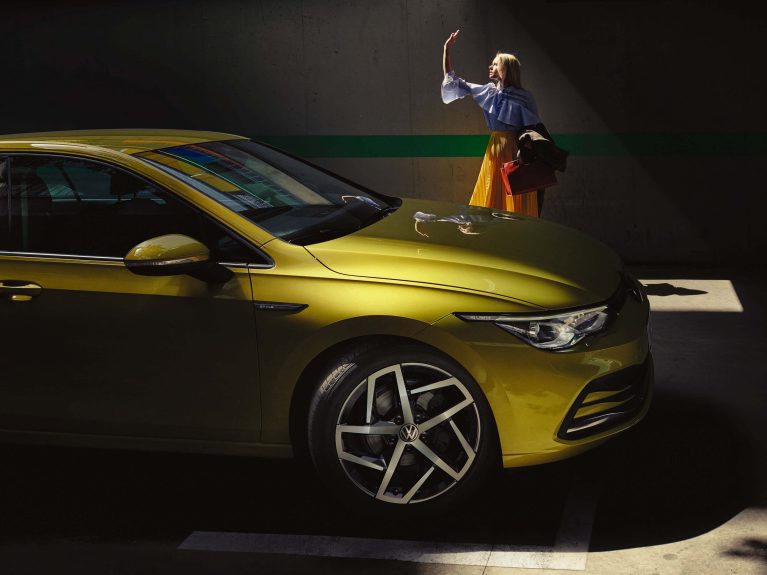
(466, 247)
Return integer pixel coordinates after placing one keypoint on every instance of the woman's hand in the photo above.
(447, 66)
(450, 41)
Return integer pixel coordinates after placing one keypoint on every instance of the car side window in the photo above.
(72, 206)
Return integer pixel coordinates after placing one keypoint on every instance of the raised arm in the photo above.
(447, 66)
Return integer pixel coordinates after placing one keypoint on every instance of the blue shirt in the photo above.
(507, 109)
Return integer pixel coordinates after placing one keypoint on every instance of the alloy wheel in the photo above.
(408, 433)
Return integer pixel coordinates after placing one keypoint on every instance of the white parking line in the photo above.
(570, 550)
(571, 547)
(348, 547)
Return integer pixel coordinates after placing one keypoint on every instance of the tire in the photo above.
(376, 452)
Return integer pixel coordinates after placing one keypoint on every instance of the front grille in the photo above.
(608, 401)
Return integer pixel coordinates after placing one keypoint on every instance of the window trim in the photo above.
(268, 262)
(5, 158)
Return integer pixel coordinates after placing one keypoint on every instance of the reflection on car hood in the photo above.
(466, 247)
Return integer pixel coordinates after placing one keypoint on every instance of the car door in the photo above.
(89, 347)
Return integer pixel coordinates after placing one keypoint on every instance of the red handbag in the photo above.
(523, 178)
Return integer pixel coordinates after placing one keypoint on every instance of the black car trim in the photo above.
(279, 306)
(632, 387)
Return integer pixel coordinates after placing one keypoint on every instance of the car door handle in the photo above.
(19, 290)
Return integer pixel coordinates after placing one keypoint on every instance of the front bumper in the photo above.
(608, 402)
(553, 405)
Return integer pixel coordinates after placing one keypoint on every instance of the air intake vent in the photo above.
(608, 401)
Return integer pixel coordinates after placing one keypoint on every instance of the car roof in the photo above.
(127, 141)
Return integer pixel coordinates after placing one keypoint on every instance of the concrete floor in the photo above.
(683, 492)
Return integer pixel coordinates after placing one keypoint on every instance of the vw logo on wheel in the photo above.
(408, 432)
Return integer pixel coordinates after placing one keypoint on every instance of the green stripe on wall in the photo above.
(471, 145)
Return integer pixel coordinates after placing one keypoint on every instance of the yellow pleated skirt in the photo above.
(489, 191)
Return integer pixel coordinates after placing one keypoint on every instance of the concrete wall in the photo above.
(660, 103)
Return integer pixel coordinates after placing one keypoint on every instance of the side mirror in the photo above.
(172, 255)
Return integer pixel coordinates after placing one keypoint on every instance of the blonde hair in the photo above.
(512, 69)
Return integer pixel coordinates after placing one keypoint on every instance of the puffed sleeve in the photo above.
(513, 106)
(454, 87)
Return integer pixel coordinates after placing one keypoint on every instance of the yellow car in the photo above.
(202, 292)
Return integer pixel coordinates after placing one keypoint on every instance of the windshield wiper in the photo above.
(314, 236)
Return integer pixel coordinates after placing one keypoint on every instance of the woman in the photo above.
(507, 108)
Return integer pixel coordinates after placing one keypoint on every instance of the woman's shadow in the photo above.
(666, 289)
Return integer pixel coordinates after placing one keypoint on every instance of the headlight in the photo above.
(552, 332)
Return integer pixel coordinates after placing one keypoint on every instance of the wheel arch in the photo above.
(310, 377)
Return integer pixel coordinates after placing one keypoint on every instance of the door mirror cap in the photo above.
(175, 254)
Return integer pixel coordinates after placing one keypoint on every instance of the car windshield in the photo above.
(290, 198)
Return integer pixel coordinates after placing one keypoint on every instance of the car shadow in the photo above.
(680, 473)
(102, 496)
